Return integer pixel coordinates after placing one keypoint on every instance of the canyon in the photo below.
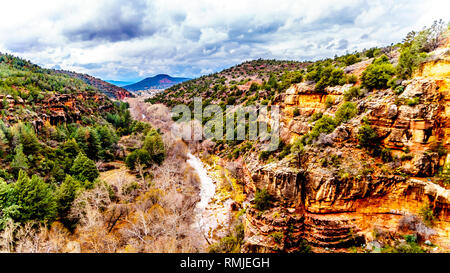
(334, 212)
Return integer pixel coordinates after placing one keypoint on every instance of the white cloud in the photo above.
(132, 39)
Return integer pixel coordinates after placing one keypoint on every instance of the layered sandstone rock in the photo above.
(338, 206)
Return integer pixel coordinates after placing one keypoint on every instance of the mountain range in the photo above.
(160, 81)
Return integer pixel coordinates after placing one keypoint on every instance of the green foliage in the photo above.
(410, 59)
(445, 174)
(20, 161)
(412, 102)
(263, 200)
(325, 124)
(139, 157)
(264, 155)
(277, 236)
(326, 76)
(409, 246)
(352, 79)
(297, 149)
(27, 138)
(231, 243)
(304, 247)
(34, 199)
(367, 137)
(316, 116)
(154, 145)
(84, 169)
(329, 101)
(373, 52)
(351, 59)
(378, 74)
(352, 92)
(66, 194)
(345, 112)
(253, 87)
(427, 214)
(386, 155)
(296, 112)
(121, 120)
(416, 45)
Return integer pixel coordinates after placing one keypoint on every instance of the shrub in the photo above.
(351, 59)
(352, 92)
(378, 74)
(329, 101)
(399, 89)
(20, 160)
(345, 112)
(154, 145)
(367, 136)
(409, 60)
(386, 155)
(372, 52)
(262, 200)
(427, 214)
(139, 158)
(296, 112)
(352, 79)
(277, 236)
(231, 243)
(297, 149)
(412, 102)
(316, 116)
(325, 124)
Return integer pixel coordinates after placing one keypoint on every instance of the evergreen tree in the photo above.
(93, 144)
(70, 148)
(34, 198)
(20, 161)
(28, 139)
(154, 145)
(84, 169)
(67, 192)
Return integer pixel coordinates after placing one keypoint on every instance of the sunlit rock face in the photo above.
(339, 206)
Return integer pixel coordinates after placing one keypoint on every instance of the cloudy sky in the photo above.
(130, 40)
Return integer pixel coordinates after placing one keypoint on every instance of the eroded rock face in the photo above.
(337, 205)
(62, 108)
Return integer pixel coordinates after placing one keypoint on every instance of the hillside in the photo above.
(232, 84)
(107, 88)
(363, 162)
(160, 81)
(79, 174)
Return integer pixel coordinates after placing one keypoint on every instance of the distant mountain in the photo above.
(105, 87)
(119, 83)
(161, 81)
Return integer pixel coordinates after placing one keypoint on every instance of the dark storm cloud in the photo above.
(116, 22)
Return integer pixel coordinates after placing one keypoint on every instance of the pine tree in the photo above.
(67, 192)
(20, 161)
(84, 169)
(34, 198)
